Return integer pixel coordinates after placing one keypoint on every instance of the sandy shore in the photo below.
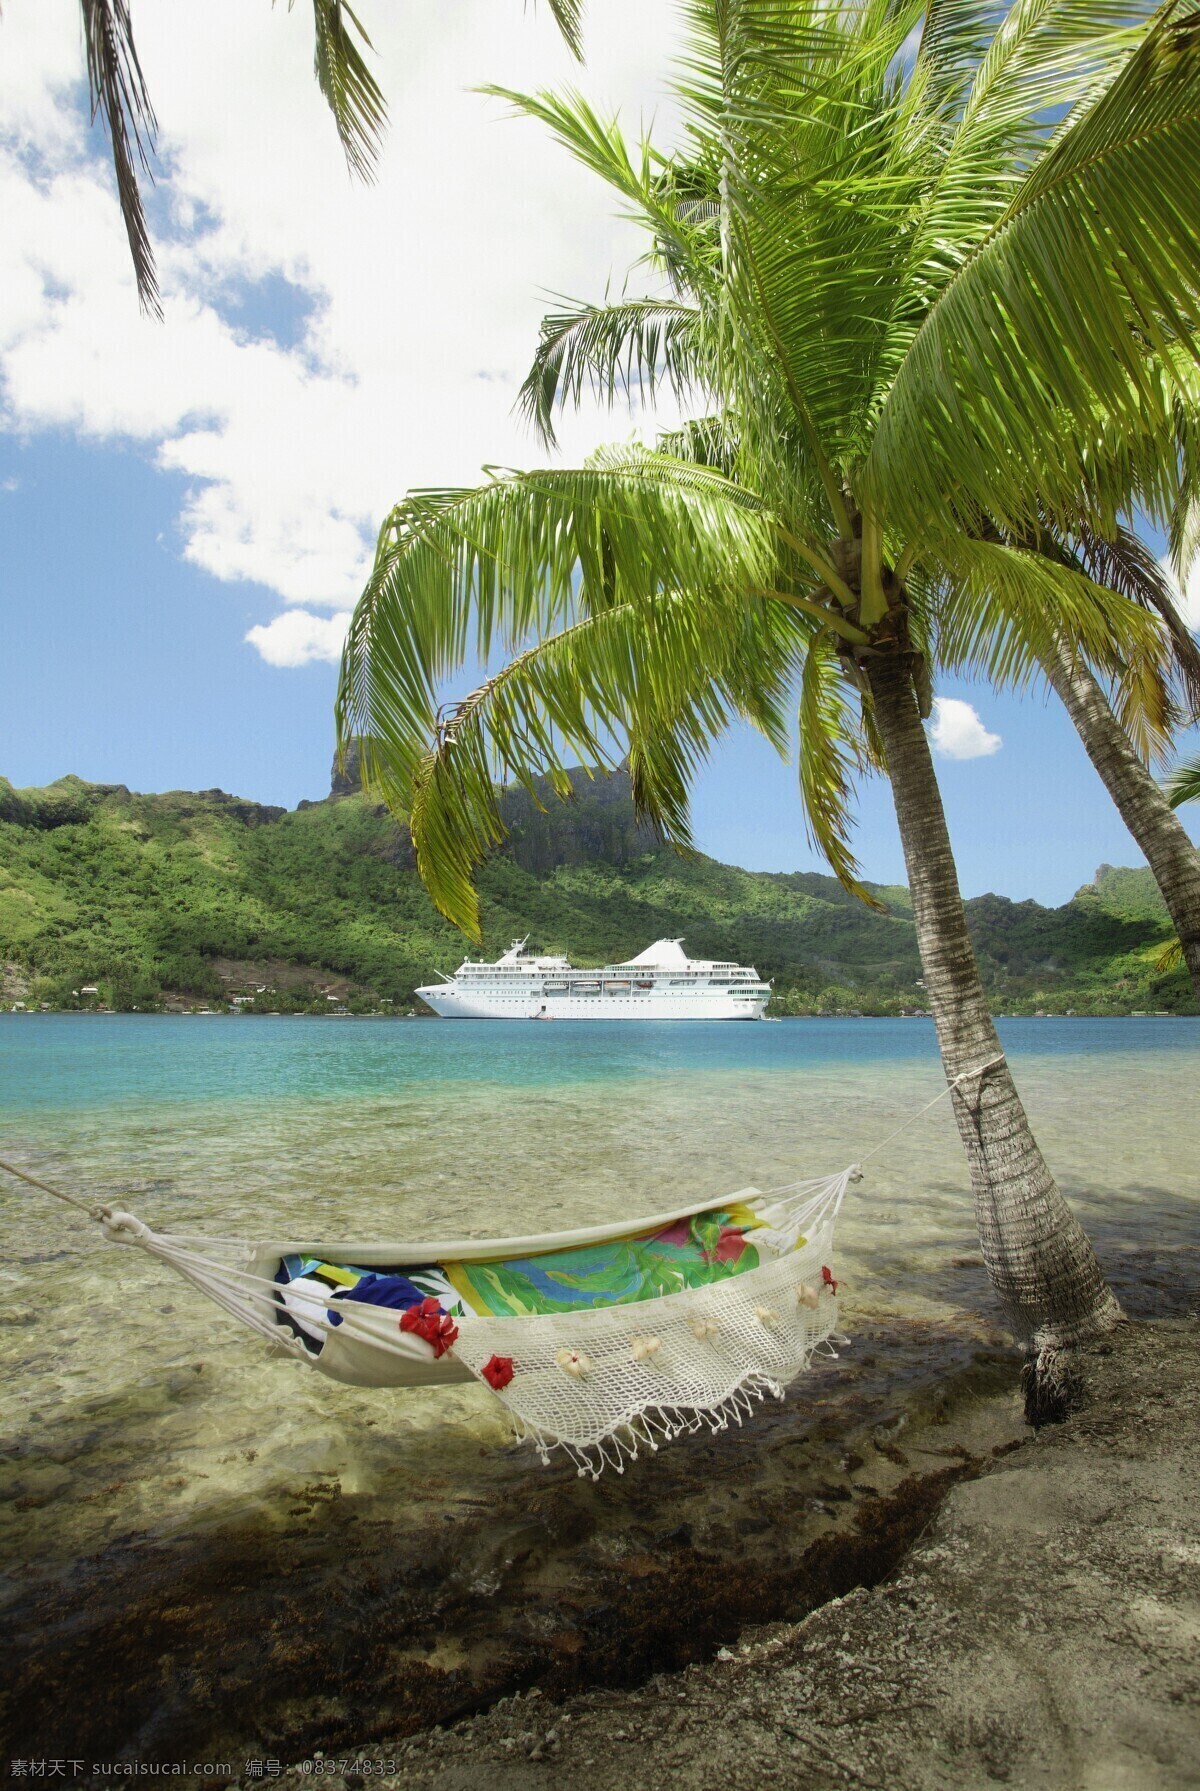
(1043, 1632)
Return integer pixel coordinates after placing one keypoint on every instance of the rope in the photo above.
(93, 1209)
(966, 1076)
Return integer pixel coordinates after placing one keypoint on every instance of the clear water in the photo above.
(131, 1406)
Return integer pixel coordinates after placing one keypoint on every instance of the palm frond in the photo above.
(828, 756)
(350, 89)
(568, 16)
(460, 572)
(1060, 316)
(1140, 665)
(1183, 517)
(1184, 533)
(983, 87)
(599, 145)
(1183, 785)
(1002, 612)
(706, 441)
(1143, 703)
(1171, 958)
(118, 91)
(657, 682)
(1124, 563)
(637, 343)
(801, 107)
(1041, 57)
(955, 35)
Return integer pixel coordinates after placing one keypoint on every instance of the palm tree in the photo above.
(1145, 808)
(918, 328)
(118, 93)
(1124, 729)
(1183, 785)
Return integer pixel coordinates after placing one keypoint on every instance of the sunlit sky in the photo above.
(187, 507)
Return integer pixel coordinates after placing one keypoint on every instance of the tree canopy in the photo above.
(923, 278)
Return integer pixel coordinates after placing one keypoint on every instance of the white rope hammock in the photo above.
(625, 1370)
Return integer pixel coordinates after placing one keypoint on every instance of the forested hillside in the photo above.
(184, 898)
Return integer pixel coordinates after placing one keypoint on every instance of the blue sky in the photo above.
(186, 508)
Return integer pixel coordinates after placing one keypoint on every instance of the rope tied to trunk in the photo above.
(967, 1076)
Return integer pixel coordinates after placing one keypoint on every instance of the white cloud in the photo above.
(418, 298)
(297, 637)
(957, 732)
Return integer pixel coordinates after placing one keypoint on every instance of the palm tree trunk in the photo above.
(1141, 804)
(1037, 1253)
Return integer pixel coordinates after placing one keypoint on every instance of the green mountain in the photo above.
(194, 897)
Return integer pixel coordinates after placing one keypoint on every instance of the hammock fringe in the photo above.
(650, 1430)
(661, 1424)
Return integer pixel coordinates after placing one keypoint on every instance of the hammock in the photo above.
(598, 1341)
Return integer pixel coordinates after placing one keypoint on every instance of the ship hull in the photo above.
(454, 1004)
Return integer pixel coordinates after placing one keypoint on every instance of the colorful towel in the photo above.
(694, 1252)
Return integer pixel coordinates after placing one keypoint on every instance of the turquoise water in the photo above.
(477, 1125)
(69, 1061)
(132, 1406)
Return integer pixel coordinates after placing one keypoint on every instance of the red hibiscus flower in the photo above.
(729, 1246)
(429, 1321)
(497, 1371)
(828, 1280)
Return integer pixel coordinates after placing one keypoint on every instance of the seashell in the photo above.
(645, 1347)
(573, 1361)
(704, 1327)
(807, 1296)
(766, 1315)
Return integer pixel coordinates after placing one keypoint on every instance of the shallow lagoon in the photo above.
(145, 1436)
(245, 1126)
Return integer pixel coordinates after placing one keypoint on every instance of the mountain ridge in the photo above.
(166, 899)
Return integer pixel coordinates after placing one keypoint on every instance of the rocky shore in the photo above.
(1043, 1632)
(346, 1609)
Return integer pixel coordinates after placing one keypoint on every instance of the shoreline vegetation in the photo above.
(205, 902)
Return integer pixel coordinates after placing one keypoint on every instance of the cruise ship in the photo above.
(661, 983)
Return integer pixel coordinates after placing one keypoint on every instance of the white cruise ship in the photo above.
(661, 983)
